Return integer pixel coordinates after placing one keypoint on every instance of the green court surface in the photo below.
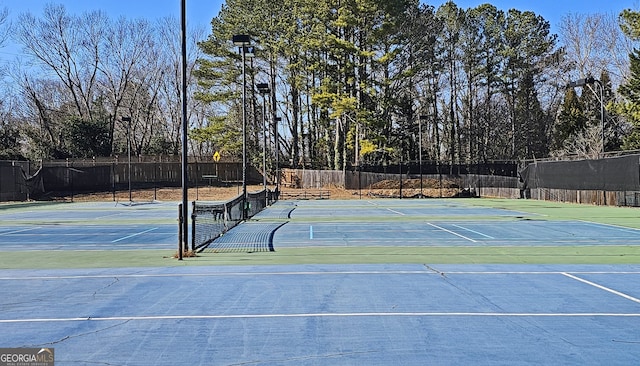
(373, 255)
(567, 253)
(623, 216)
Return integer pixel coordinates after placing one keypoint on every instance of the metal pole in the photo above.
(601, 113)
(128, 120)
(401, 170)
(438, 156)
(180, 232)
(420, 151)
(129, 154)
(244, 134)
(264, 143)
(185, 130)
(604, 192)
(276, 135)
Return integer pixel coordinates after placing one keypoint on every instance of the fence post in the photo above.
(193, 226)
(113, 181)
(180, 233)
(155, 180)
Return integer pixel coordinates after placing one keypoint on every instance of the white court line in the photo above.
(473, 231)
(603, 288)
(132, 235)
(396, 212)
(387, 208)
(452, 232)
(323, 315)
(109, 215)
(305, 273)
(18, 231)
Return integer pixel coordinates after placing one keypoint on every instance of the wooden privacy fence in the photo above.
(93, 177)
(317, 179)
(618, 178)
(482, 185)
(591, 197)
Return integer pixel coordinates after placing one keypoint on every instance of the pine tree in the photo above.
(630, 90)
(570, 121)
(630, 108)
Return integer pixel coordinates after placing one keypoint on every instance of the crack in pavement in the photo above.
(115, 280)
(66, 338)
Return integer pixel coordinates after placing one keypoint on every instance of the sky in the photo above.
(552, 10)
(200, 12)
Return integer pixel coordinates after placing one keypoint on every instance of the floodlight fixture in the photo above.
(590, 80)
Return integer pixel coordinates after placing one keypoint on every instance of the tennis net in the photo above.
(209, 221)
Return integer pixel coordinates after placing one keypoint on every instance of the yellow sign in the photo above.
(216, 156)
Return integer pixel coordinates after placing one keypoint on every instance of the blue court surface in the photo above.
(328, 315)
(95, 237)
(384, 209)
(430, 223)
(444, 233)
(320, 314)
(89, 226)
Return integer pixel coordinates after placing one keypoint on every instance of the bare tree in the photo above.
(171, 79)
(582, 144)
(66, 47)
(125, 63)
(594, 43)
(5, 25)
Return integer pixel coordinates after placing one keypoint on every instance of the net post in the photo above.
(193, 226)
(228, 215)
(180, 233)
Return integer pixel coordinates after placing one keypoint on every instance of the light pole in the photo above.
(420, 119)
(242, 41)
(128, 120)
(276, 143)
(184, 245)
(263, 88)
(587, 82)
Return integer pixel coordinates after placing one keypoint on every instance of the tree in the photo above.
(353, 80)
(86, 139)
(67, 47)
(219, 76)
(570, 122)
(488, 23)
(630, 107)
(322, 58)
(10, 140)
(528, 42)
(630, 90)
(95, 71)
(452, 18)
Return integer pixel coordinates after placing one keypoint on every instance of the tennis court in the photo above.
(403, 282)
(88, 226)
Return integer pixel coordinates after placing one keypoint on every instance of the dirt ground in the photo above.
(388, 188)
